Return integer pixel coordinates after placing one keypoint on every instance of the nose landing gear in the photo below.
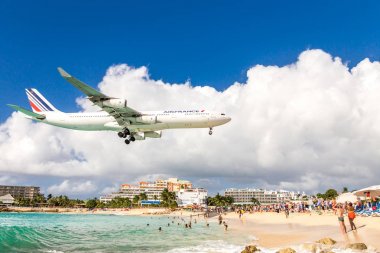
(210, 132)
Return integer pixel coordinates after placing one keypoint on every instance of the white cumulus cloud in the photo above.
(310, 125)
(72, 187)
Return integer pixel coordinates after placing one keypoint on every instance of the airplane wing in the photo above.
(27, 112)
(99, 99)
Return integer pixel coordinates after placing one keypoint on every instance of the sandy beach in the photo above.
(274, 230)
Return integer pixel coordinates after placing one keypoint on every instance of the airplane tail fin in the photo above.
(38, 102)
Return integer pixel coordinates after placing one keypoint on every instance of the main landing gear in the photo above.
(126, 134)
(210, 132)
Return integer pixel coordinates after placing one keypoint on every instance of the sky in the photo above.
(298, 78)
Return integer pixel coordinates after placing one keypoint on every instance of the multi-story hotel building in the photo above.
(153, 190)
(244, 196)
(28, 192)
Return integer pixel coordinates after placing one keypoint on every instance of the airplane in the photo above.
(115, 115)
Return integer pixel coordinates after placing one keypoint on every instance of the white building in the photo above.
(192, 197)
(244, 196)
(6, 200)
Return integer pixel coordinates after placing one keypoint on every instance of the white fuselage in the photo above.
(150, 121)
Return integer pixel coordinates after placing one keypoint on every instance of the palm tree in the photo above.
(255, 201)
(136, 199)
(168, 198)
(143, 196)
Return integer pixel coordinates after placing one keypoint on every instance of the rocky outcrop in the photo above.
(326, 251)
(310, 247)
(250, 249)
(286, 250)
(357, 246)
(326, 241)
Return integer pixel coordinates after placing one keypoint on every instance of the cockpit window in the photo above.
(223, 114)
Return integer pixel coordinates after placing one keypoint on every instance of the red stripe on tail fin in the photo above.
(34, 107)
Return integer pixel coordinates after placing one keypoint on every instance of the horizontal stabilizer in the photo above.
(27, 112)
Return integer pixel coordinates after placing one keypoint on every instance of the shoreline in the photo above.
(149, 211)
(268, 229)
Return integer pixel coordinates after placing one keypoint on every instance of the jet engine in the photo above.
(142, 135)
(115, 102)
(147, 119)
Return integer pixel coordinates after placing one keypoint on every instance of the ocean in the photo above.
(64, 233)
(46, 232)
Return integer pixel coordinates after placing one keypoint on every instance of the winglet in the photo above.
(63, 73)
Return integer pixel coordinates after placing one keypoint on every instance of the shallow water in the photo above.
(39, 232)
(56, 233)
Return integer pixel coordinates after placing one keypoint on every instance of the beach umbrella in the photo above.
(347, 197)
(372, 191)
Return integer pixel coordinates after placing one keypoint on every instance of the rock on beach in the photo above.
(250, 249)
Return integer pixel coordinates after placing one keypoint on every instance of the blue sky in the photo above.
(208, 42)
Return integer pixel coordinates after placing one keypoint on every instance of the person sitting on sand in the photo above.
(351, 215)
(341, 219)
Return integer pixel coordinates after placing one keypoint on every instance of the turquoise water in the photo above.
(39, 232)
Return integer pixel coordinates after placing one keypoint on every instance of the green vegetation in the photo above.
(38, 200)
(168, 199)
(329, 194)
(220, 200)
(64, 201)
(255, 202)
(119, 202)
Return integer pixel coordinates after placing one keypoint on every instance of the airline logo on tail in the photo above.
(38, 102)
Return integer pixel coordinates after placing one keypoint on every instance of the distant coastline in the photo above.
(115, 211)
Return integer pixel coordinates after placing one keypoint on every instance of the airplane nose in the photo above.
(228, 119)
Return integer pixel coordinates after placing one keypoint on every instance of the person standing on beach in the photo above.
(341, 219)
(351, 216)
(286, 210)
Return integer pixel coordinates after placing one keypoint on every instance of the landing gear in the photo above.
(210, 132)
(126, 134)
